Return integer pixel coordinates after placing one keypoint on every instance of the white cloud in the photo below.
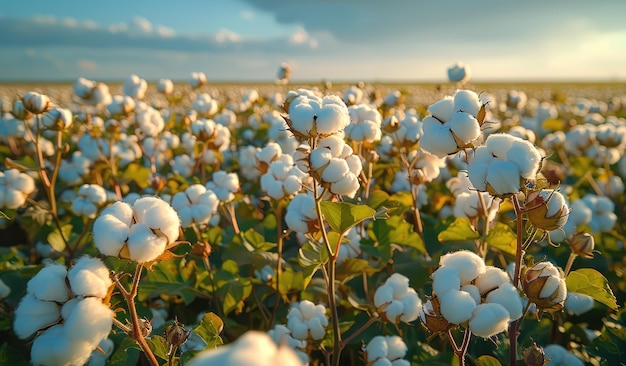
(86, 65)
(246, 14)
(226, 35)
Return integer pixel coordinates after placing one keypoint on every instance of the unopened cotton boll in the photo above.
(489, 319)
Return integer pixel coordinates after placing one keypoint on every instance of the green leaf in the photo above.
(256, 242)
(233, 292)
(397, 231)
(56, 240)
(138, 174)
(127, 353)
(311, 256)
(353, 267)
(590, 282)
(290, 280)
(486, 360)
(159, 346)
(459, 230)
(209, 330)
(341, 216)
(502, 238)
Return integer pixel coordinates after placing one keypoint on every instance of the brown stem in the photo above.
(519, 252)
(570, 261)
(374, 318)
(279, 264)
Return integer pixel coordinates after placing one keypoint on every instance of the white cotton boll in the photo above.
(571, 360)
(201, 213)
(438, 140)
(275, 191)
(507, 296)
(457, 306)
(465, 127)
(473, 291)
(527, 158)
(468, 264)
(143, 244)
(393, 311)
(301, 115)
(445, 278)
(68, 307)
(194, 192)
(467, 101)
(555, 354)
(377, 348)
(109, 234)
(316, 328)
(396, 348)
(90, 321)
(443, 109)
(33, 314)
(604, 204)
(411, 306)
(158, 214)
(383, 295)
(335, 170)
(292, 184)
(499, 144)
(49, 284)
(89, 277)
(120, 210)
(269, 153)
(331, 119)
(52, 347)
(489, 319)
(347, 186)
(186, 216)
(491, 279)
(503, 176)
(354, 164)
(578, 304)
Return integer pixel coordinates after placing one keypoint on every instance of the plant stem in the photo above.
(374, 318)
(137, 329)
(570, 261)
(460, 351)
(279, 264)
(519, 252)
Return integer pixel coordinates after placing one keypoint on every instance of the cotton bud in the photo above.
(396, 300)
(545, 287)
(546, 209)
(36, 103)
(176, 334)
(582, 244)
(534, 355)
(57, 119)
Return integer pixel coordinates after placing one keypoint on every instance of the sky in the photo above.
(336, 40)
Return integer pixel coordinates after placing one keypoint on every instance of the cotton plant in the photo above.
(75, 169)
(197, 205)
(283, 179)
(92, 92)
(365, 124)
(205, 106)
(281, 335)
(470, 203)
(197, 79)
(58, 305)
(135, 87)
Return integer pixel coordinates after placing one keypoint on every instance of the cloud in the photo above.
(86, 65)
(140, 33)
(364, 21)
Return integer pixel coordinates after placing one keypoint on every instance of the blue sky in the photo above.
(340, 40)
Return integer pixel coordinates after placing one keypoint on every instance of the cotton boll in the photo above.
(97, 357)
(396, 348)
(578, 304)
(437, 139)
(526, 156)
(499, 144)
(49, 284)
(90, 321)
(109, 234)
(445, 278)
(466, 101)
(33, 314)
(89, 277)
(443, 109)
(491, 279)
(465, 127)
(52, 347)
(456, 306)
(488, 320)
(503, 177)
(143, 244)
(335, 170)
(377, 348)
(468, 264)
(473, 291)
(348, 186)
(507, 296)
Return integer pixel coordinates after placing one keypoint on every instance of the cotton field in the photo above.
(171, 222)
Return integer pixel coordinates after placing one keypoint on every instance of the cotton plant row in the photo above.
(151, 184)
